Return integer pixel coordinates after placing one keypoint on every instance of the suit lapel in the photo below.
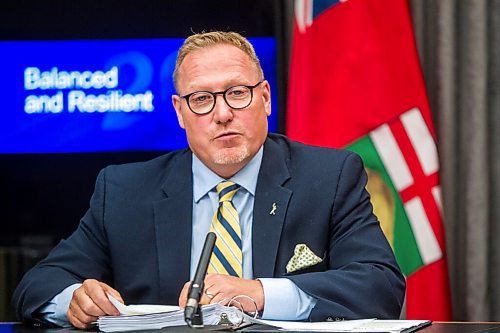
(173, 222)
(270, 207)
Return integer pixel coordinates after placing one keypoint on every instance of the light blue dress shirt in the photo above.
(282, 298)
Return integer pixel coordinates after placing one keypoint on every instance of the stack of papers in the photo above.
(140, 309)
(356, 326)
(144, 317)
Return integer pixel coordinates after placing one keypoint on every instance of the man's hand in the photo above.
(219, 287)
(89, 302)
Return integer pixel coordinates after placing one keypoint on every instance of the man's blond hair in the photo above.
(208, 39)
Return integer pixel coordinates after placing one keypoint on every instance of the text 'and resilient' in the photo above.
(71, 86)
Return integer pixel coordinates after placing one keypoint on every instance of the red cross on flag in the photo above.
(355, 82)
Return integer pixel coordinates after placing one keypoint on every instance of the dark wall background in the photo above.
(62, 19)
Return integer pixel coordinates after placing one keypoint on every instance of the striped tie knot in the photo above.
(227, 190)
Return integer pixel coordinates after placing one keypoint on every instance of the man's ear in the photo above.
(176, 102)
(266, 97)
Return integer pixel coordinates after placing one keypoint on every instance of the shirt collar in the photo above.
(204, 179)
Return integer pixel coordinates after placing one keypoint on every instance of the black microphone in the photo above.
(192, 313)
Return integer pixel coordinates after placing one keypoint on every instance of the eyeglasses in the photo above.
(236, 97)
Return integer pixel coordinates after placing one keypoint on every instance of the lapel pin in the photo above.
(273, 211)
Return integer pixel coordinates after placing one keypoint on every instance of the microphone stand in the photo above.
(192, 312)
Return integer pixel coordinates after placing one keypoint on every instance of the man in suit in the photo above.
(309, 245)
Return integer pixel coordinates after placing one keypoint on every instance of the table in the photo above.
(436, 327)
(462, 327)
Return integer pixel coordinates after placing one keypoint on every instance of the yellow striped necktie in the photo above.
(227, 257)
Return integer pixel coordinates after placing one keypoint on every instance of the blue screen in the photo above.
(97, 95)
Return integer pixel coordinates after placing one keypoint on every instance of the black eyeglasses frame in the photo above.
(223, 93)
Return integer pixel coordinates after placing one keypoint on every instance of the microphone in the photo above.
(192, 313)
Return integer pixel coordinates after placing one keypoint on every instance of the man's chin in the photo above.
(231, 156)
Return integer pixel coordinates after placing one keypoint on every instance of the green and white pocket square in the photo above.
(302, 258)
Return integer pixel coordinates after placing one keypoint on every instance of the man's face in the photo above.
(225, 140)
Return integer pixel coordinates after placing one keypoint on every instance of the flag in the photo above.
(356, 83)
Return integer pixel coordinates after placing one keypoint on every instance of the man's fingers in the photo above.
(113, 292)
(224, 288)
(220, 298)
(78, 317)
(90, 302)
(183, 295)
(76, 322)
(97, 292)
(207, 297)
(83, 305)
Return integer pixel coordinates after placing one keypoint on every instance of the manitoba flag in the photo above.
(355, 82)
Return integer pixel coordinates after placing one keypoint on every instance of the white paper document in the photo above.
(142, 308)
(356, 326)
(341, 326)
(145, 317)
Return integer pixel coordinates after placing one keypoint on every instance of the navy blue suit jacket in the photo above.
(136, 235)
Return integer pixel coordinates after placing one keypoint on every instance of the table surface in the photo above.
(436, 327)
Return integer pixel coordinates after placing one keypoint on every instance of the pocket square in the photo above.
(302, 258)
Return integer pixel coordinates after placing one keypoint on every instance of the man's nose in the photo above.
(222, 112)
